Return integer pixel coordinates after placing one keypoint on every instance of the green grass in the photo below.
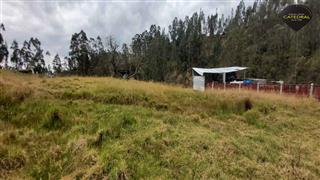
(95, 128)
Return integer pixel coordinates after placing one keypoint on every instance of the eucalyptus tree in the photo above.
(4, 53)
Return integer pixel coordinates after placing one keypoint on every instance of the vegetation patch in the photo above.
(54, 120)
(138, 130)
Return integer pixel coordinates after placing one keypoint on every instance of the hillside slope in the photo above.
(95, 128)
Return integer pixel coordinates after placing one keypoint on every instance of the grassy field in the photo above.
(104, 128)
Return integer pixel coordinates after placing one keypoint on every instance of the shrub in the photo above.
(247, 104)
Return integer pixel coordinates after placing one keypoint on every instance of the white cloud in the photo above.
(53, 22)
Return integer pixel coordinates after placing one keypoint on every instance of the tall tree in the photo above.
(56, 64)
(15, 56)
(26, 55)
(37, 62)
(79, 60)
(113, 51)
(3, 47)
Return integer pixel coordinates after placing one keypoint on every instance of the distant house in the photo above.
(202, 76)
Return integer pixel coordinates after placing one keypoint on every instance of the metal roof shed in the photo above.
(198, 75)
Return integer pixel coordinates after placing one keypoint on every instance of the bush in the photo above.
(247, 104)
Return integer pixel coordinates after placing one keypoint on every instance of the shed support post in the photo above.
(311, 90)
(224, 81)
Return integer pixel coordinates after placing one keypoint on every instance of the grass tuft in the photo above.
(54, 120)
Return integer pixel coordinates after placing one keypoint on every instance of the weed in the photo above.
(11, 163)
(253, 118)
(127, 121)
(54, 120)
(102, 136)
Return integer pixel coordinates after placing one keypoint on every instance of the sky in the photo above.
(54, 21)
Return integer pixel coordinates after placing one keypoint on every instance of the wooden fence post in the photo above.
(239, 87)
(258, 87)
(224, 86)
(281, 87)
(311, 90)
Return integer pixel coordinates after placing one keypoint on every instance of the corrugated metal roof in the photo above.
(222, 70)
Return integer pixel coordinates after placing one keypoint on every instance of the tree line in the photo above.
(253, 36)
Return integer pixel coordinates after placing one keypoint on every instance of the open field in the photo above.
(95, 128)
